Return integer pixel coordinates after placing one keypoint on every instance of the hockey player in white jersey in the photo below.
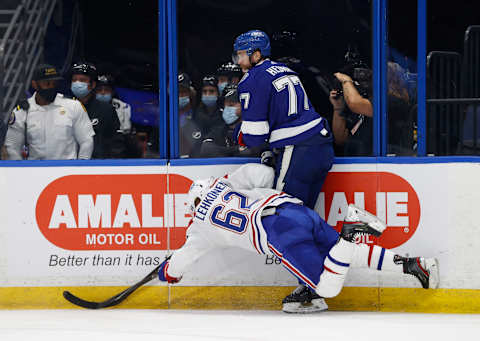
(241, 210)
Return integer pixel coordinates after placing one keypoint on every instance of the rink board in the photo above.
(95, 229)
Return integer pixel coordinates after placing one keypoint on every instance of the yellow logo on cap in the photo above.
(50, 71)
(62, 111)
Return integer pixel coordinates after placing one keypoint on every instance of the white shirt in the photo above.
(56, 131)
(230, 215)
(124, 113)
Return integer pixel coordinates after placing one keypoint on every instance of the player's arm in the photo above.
(255, 100)
(15, 138)
(182, 260)
(83, 132)
(252, 175)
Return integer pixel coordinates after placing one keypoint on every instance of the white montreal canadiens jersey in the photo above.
(230, 216)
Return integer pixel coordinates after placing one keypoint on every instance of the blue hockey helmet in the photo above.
(252, 41)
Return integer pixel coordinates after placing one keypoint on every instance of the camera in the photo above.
(359, 71)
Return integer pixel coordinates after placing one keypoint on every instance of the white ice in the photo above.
(159, 325)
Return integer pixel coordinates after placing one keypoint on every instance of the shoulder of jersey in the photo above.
(72, 101)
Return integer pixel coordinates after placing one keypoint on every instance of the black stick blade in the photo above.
(83, 303)
(112, 301)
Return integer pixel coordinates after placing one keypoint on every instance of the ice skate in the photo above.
(424, 269)
(303, 301)
(360, 221)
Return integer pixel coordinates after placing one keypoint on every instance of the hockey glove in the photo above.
(163, 275)
(268, 159)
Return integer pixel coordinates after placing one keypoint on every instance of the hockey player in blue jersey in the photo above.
(241, 210)
(276, 110)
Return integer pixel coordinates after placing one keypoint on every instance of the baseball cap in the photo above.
(46, 72)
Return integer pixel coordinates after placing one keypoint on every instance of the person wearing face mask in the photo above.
(49, 126)
(104, 92)
(208, 112)
(107, 142)
(189, 131)
(220, 141)
(228, 73)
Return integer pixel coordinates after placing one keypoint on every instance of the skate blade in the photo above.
(373, 221)
(317, 305)
(432, 266)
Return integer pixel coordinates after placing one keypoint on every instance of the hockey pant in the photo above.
(301, 169)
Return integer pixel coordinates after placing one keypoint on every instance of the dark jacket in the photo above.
(190, 136)
(106, 125)
(205, 120)
(220, 142)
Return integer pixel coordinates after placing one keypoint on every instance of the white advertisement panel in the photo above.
(100, 226)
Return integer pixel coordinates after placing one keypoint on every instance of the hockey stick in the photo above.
(117, 299)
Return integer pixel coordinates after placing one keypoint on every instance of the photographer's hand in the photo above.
(343, 77)
(337, 101)
(355, 102)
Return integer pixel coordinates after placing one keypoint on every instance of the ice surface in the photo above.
(159, 325)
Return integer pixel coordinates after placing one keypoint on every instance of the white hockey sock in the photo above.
(335, 266)
(375, 257)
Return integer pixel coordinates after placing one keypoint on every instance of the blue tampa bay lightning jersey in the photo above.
(276, 108)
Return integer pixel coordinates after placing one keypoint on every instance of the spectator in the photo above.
(401, 121)
(190, 133)
(352, 118)
(208, 113)
(49, 126)
(352, 113)
(220, 140)
(228, 73)
(103, 116)
(105, 93)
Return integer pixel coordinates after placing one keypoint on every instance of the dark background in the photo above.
(123, 34)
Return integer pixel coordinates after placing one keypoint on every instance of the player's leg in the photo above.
(346, 254)
(378, 258)
(291, 235)
(301, 171)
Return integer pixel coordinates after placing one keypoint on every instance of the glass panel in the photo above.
(109, 63)
(453, 79)
(402, 78)
(314, 38)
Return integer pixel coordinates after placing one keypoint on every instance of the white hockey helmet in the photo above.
(198, 190)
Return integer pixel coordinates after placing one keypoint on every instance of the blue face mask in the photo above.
(183, 102)
(209, 101)
(104, 97)
(229, 114)
(221, 86)
(80, 89)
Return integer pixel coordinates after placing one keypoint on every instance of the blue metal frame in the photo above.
(162, 78)
(337, 160)
(83, 163)
(173, 74)
(379, 38)
(421, 77)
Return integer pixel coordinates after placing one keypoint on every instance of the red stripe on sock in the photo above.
(370, 251)
(330, 270)
(424, 271)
